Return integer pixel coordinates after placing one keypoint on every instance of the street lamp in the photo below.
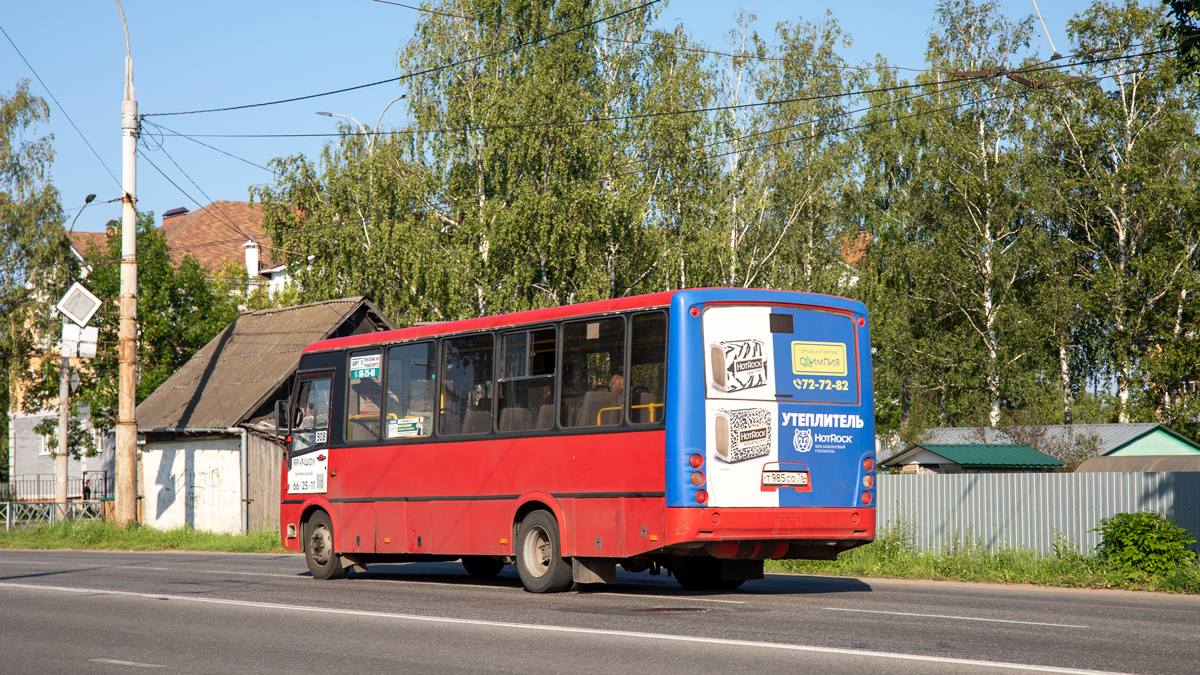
(64, 394)
(370, 153)
(372, 133)
(87, 201)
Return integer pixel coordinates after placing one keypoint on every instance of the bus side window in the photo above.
(310, 419)
(526, 380)
(366, 389)
(593, 381)
(410, 391)
(648, 368)
(465, 389)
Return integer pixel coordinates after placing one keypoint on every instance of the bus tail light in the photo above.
(866, 497)
(868, 464)
(701, 496)
(697, 478)
(868, 481)
(696, 460)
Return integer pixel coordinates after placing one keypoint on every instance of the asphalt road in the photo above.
(104, 612)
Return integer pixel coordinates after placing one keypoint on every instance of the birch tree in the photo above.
(1127, 182)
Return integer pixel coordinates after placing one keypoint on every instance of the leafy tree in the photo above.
(35, 262)
(786, 164)
(1185, 30)
(1125, 180)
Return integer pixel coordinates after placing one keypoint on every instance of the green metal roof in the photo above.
(986, 455)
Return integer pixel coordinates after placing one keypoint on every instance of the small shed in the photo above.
(209, 455)
(970, 458)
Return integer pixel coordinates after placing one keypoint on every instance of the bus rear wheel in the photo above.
(539, 555)
(323, 561)
(482, 566)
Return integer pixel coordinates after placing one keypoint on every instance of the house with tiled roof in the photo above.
(221, 233)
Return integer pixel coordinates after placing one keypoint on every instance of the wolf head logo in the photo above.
(802, 441)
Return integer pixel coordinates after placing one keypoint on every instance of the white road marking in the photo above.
(131, 664)
(256, 574)
(139, 567)
(679, 598)
(577, 631)
(959, 618)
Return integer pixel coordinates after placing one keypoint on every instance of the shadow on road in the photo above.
(452, 574)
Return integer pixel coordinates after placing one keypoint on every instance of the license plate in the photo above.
(785, 478)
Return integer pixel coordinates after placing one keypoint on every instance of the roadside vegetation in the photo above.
(1138, 551)
(91, 535)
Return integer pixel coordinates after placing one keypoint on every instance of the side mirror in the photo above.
(281, 418)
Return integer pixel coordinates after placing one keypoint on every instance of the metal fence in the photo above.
(34, 514)
(40, 487)
(1028, 510)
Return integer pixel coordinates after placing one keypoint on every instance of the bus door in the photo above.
(308, 460)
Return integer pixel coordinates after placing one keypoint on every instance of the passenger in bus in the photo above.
(617, 384)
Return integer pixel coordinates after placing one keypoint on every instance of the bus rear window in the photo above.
(780, 354)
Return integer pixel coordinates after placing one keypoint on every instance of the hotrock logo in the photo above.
(803, 440)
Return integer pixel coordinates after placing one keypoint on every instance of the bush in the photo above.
(1144, 541)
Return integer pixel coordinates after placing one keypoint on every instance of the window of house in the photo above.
(593, 377)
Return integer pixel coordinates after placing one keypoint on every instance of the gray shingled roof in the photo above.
(1111, 436)
(235, 373)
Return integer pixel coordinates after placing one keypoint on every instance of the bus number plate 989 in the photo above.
(785, 478)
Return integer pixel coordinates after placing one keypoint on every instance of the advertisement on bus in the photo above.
(782, 421)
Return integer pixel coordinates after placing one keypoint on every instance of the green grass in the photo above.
(893, 555)
(93, 535)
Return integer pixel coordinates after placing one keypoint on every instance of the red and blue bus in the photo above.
(697, 431)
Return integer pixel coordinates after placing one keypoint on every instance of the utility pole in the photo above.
(126, 478)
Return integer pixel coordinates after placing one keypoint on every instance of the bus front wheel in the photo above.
(323, 561)
(539, 555)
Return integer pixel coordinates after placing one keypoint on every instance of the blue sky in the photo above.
(217, 53)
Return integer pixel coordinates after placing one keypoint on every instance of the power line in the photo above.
(228, 221)
(958, 77)
(745, 149)
(695, 50)
(60, 107)
(644, 161)
(427, 71)
(210, 147)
